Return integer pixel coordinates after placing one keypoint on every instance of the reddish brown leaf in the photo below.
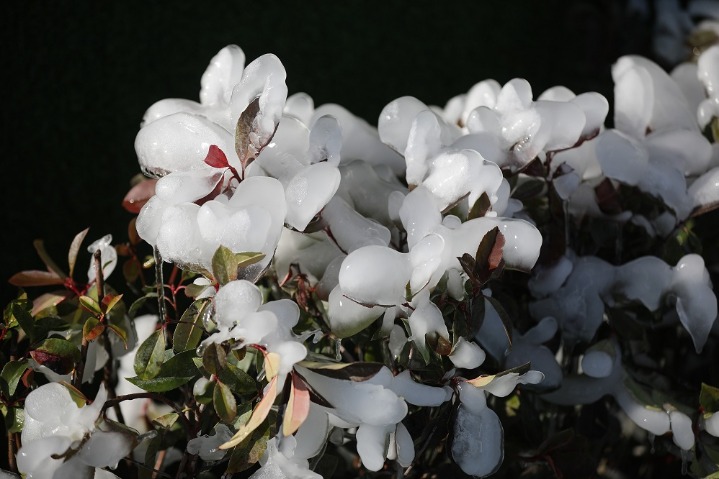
(35, 278)
(298, 406)
(216, 158)
(138, 195)
(47, 300)
(495, 255)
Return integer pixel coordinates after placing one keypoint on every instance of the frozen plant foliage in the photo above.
(399, 297)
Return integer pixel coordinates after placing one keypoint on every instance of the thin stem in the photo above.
(11, 452)
(99, 276)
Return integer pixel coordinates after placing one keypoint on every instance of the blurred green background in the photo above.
(79, 76)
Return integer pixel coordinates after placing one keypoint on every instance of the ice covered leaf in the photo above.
(621, 157)
(256, 106)
(708, 72)
(207, 446)
(350, 230)
(309, 191)
(178, 142)
(417, 393)
(347, 317)
(106, 448)
(682, 432)
(396, 120)
(235, 300)
(695, 300)
(467, 355)
(300, 106)
(478, 437)
(426, 319)
(704, 192)
(372, 445)
(223, 72)
(645, 96)
(357, 401)
(138, 195)
(326, 140)
(375, 275)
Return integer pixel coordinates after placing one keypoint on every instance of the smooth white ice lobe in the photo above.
(546, 280)
(264, 78)
(467, 354)
(579, 304)
(360, 140)
(418, 394)
(309, 191)
(426, 319)
(222, 74)
(695, 300)
(529, 348)
(207, 446)
(348, 317)
(240, 315)
(312, 252)
(478, 441)
(627, 160)
(682, 432)
(350, 229)
(108, 257)
(281, 462)
(397, 120)
(368, 402)
(711, 424)
(235, 300)
(526, 128)
(708, 72)
(189, 234)
(597, 364)
(645, 97)
(300, 106)
(326, 140)
(179, 142)
(54, 423)
(363, 189)
(372, 444)
(375, 275)
(704, 191)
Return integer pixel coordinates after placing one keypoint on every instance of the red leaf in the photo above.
(138, 195)
(216, 158)
(298, 406)
(495, 255)
(35, 278)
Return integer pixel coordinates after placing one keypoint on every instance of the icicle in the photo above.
(160, 285)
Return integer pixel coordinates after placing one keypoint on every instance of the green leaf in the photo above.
(224, 402)
(14, 419)
(709, 398)
(214, 358)
(139, 303)
(110, 301)
(188, 332)
(248, 453)
(225, 263)
(11, 374)
(91, 305)
(160, 384)
(120, 332)
(92, 329)
(150, 354)
(19, 312)
(180, 365)
(60, 355)
(237, 380)
(75, 249)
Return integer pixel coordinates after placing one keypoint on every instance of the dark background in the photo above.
(78, 77)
